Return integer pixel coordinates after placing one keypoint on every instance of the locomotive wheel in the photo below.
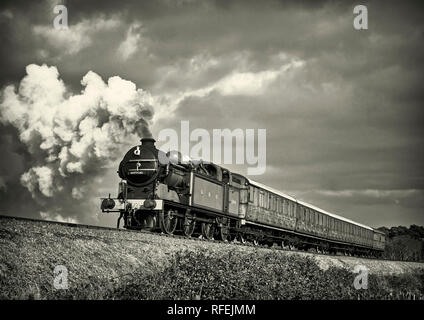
(188, 225)
(208, 230)
(223, 231)
(168, 221)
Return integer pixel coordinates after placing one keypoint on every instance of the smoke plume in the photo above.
(72, 138)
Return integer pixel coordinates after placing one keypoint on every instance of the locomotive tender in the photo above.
(160, 192)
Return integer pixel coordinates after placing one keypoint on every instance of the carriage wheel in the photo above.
(242, 239)
(188, 225)
(168, 222)
(208, 229)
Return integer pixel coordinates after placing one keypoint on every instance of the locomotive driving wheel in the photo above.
(223, 230)
(168, 221)
(208, 230)
(188, 225)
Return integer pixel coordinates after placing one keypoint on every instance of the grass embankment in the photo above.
(105, 264)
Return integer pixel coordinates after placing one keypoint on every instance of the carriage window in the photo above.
(236, 180)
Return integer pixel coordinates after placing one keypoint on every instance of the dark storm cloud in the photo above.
(347, 119)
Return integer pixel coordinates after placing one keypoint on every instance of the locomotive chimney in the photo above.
(148, 142)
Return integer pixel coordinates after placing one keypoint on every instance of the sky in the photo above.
(342, 108)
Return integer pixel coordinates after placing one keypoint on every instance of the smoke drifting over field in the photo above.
(71, 138)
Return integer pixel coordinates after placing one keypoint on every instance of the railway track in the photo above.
(176, 236)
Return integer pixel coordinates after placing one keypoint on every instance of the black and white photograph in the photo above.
(211, 154)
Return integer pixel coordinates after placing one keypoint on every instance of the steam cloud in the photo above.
(72, 139)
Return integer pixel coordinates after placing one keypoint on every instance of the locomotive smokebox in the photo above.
(140, 164)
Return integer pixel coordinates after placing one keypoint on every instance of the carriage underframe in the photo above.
(176, 218)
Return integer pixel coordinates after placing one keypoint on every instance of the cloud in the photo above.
(56, 217)
(130, 45)
(250, 83)
(236, 83)
(76, 37)
(2, 184)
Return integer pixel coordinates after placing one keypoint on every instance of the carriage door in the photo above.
(233, 201)
(234, 195)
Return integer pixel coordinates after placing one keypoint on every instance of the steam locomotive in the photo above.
(165, 193)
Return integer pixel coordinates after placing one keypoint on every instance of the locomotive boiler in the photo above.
(168, 193)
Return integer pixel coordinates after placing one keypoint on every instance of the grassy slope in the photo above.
(105, 264)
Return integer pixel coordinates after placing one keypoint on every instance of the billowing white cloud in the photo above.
(73, 135)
